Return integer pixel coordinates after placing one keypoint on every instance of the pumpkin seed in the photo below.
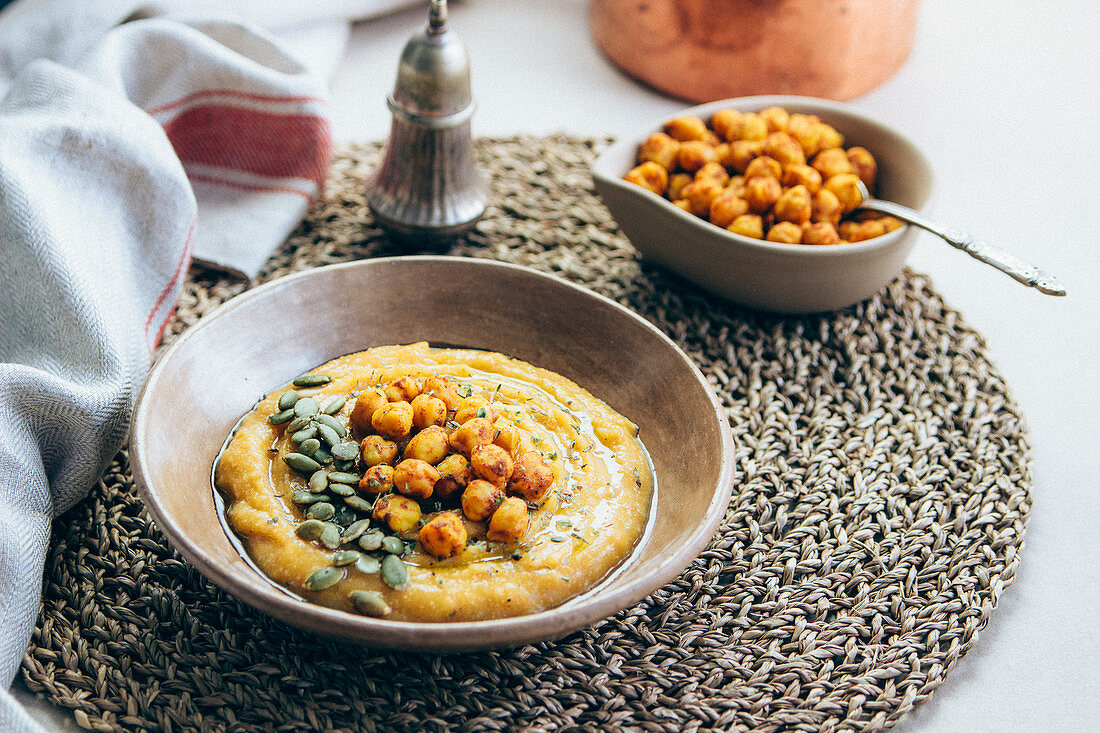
(287, 399)
(322, 456)
(310, 529)
(341, 465)
(322, 510)
(371, 541)
(333, 423)
(345, 557)
(358, 502)
(297, 424)
(341, 489)
(330, 536)
(323, 578)
(328, 434)
(306, 407)
(281, 417)
(393, 545)
(369, 603)
(334, 405)
(307, 497)
(344, 516)
(355, 531)
(318, 482)
(342, 477)
(303, 435)
(367, 564)
(309, 447)
(301, 463)
(312, 380)
(394, 572)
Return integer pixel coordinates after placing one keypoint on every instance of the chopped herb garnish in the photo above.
(273, 520)
(557, 538)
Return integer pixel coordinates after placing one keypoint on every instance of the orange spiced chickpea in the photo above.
(403, 389)
(820, 232)
(723, 122)
(776, 118)
(826, 207)
(845, 187)
(429, 445)
(454, 474)
(765, 165)
(414, 477)
(377, 480)
(740, 153)
(399, 513)
(443, 536)
(802, 175)
(748, 225)
(472, 407)
(713, 171)
(676, 183)
(471, 434)
(661, 149)
(865, 166)
(784, 148)
(806, 129)
(688, 127)
(376, 450)
(492, 463)
(480, 499)
(695, 154)
(650, 176)
(785, 232)
(442, 388)
(393, 420)
(428, 411)
(761, 193)
(794, 205)
(699, 194)
(830, 137)
(366, 404)
(749, 126)
(509, 522)
(727, 207)
(532, 477)
(832, 162)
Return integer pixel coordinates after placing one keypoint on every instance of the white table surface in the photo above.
(1004, 97)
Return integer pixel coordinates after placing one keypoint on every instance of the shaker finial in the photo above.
(437, 16)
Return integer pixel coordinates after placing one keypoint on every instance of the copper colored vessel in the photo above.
(703, 50)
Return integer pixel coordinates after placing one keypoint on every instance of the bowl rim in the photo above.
(601, 170)
(576, 613)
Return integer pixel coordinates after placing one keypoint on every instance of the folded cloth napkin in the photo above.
(132, 138)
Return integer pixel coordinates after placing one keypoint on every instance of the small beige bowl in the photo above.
(260, 340)
(787, 278)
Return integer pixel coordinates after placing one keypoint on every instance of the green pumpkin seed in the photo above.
(345, 557)
(393, 545)
(301, 463)
(328, 434)
(322, 510)
(287, 399)
(355, 531)
(333, 423)
(359, 503)
(312, 380)
(344, 516)
(309, 447)
(306, 407)
(303, 435)
(341, 465)
(342, 477)
(367, 564)
(310, 529)
(281, 417)
(307, 497)
(318, 482)
(371, 541)
(341, 489)
(394, 572)
(323, 578)
(297, 424)
(369, 603)
(330, 536)
(348, 451)
(322, 456)
(334, 405)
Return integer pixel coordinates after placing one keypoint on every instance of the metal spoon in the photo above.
(1009, 264)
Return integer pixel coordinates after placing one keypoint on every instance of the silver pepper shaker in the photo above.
(428, 188)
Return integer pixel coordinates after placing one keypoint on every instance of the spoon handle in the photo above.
(1007, 263)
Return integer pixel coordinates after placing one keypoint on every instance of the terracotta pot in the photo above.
(703, 50)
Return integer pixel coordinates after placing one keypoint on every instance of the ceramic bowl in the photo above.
(786, 278)
(215, 373)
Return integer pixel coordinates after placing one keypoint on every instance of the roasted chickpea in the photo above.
(846, 189)
(727, 207)
(694, 154)
(784, 148)
(848, 229)
(713, 171)
(740, 153)
(748, 225)
(864, 165)
(776, 118)
(428, 411)
(761, 192)
(393, 420)
(866, 230)
(785, 232)
(892, 223)
(826, 207)
(471, 434)
(683, 204)
(492, 463)
(414, 477)
(820, 232)
(661, 149)
(649, 176)
(794, 205)
(472, 407)
(723, 122)
(442, 388)
(806, 129)
(676, 183)
(480, 499)
(764, 166)
(403, 389)
(429, 445)
(443, 536)
(400, 513)
(749, 126)
(532, 477)
(366, 404)
(699, 194)
(688, 127)
(454, 474)
(509, 522)
(802, 175)
(376, 450)
(830, 138)
(832, 162)
(377, 480)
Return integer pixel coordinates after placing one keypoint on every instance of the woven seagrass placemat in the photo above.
(878, 516)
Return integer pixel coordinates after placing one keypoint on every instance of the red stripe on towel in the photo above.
(249, 186)
(181, 265)
(234, 94)
(261, 143)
